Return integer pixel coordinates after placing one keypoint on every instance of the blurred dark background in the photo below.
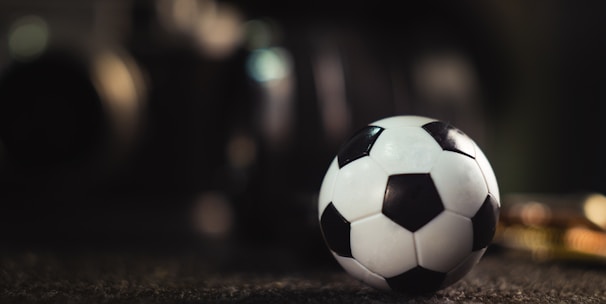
(208, 125)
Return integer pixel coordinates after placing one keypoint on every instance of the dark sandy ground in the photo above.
(27, 277)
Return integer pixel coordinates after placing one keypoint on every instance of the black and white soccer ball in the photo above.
(409, 204)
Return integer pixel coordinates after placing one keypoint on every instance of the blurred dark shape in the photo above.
(51, 114)
(329, 77)
(65, 109)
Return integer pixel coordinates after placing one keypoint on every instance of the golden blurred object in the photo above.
(594, 207)
(554, 227)
(586, 241)
(555, 210)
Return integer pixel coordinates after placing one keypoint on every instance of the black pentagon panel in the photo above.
(485, 223)
(335, 229)
(411, 200)
(358, 145)
(417, 280)
(451, 138)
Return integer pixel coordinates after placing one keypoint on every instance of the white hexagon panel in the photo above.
(405, 150)
(383, 246)
(444, 242)
(359, 189)
(460, 183)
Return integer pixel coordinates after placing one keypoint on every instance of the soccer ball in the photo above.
(409, 204)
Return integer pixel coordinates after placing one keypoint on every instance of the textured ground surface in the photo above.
(138, 278)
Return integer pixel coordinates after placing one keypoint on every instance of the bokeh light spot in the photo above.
(268, 64)
(213, 215)
(28, 38)
(594, 208)
(241, 151)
